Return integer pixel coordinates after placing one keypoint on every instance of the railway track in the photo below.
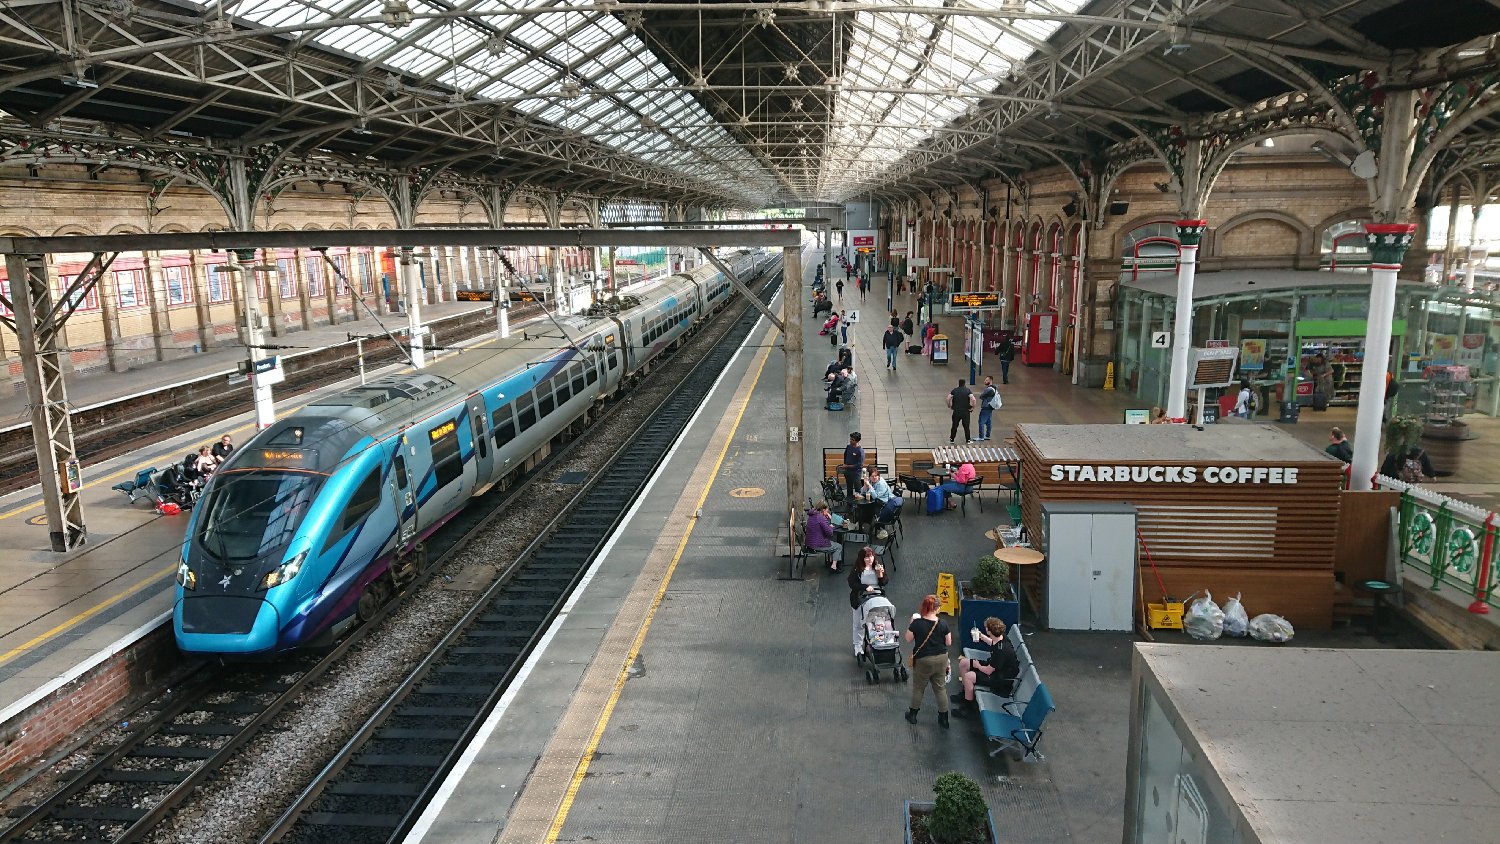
(376, 785)
(142, 421)
(125, 793)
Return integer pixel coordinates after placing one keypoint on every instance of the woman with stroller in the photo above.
(997, 672)
(866, 577)
(932, 639)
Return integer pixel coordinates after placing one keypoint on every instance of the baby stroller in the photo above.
(882, 649)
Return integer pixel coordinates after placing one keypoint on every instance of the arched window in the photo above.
(1152, 248)
(1343, 248)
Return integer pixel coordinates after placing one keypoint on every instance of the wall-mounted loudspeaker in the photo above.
(1118, 209)
(1071, 209)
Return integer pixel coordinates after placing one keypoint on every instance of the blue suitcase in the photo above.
(934, 501)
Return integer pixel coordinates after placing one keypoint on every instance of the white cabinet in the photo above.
(1090, 550)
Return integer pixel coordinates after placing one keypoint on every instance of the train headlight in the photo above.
(284, 572)
(186, 577)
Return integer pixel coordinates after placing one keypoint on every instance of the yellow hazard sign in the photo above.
(1109, 376)
(947, 594)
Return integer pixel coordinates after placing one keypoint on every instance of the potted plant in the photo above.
(988, 594)
(1401, 433)
(958, 815)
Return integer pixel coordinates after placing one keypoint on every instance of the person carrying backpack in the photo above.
(989, 402)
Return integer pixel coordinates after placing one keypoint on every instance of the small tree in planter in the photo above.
(992, 579)
(1401, 433)
(988, 594)
(959, 815)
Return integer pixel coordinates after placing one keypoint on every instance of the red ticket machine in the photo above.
(1039, 348)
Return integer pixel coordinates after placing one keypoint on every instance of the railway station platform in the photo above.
(690, 692)
(63, 614)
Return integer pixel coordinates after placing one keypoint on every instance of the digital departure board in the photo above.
(979, 300)
(475, 295)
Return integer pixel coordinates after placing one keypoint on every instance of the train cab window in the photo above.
(544, 399)
(526, 411)
(361, 502)
(614, 359)
(504, 424)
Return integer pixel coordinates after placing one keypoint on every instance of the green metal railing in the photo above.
(1450, 541)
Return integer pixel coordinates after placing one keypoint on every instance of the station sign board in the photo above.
(475, 295)
(978, 300)
(527, 296)
(866, 241)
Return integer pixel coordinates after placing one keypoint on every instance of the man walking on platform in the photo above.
(891, 342)
(989, 402)
(961, 402)
(1006, 354)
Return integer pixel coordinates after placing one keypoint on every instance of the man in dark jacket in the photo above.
(961, 403)
(854, 463)
(891, 342)
(1006, 354)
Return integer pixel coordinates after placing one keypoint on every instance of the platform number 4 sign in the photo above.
(1161, 339)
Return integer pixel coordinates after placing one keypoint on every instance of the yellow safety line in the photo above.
(84, 616)
(640, 637)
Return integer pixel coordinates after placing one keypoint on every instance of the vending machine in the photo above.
(1039, 348)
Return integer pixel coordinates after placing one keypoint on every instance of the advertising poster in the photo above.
(1253, 354)
(1471, 350)
(1137, 417)
(1442, 349)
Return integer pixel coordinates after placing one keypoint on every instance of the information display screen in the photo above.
(475, 295)
(979, 300)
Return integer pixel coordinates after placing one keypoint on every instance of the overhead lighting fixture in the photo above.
(1178, 41)
(1053, 113)
(361, 128)
(395, 13)
(568, 89)
(79, 80)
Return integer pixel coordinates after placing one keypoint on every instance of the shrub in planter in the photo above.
(991, 579)
(959, 811)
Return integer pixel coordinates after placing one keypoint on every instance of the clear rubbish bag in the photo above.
(1204, 619)
(1236, 621)
(1268, 627)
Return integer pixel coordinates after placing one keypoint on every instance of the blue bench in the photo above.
(1025, 730)
(1018, 718)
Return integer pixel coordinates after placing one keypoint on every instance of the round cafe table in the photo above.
(1019, 556)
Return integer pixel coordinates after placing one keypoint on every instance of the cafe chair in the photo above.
(970, 489)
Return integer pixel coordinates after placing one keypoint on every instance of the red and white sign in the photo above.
(864, 240)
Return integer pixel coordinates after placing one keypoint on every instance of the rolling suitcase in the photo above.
(934, 501)
(1320, 401)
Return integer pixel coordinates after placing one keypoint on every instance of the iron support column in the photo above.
(791, 303)
(1388, 244)
(414, 330)
(1189, 233)
(37, 328)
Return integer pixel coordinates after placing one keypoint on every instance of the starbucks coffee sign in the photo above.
(1120, 474)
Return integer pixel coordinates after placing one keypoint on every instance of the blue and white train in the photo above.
(315, 521)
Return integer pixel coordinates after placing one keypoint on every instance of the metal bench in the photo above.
(1003, 729)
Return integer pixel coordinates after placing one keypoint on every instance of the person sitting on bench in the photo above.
(838, 388)
(997, 673)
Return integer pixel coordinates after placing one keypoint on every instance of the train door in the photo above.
(404, 494)
(628, 345)
(484, 459)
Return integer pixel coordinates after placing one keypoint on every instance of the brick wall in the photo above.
(115, 684)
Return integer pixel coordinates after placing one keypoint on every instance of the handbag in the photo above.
(911, 658)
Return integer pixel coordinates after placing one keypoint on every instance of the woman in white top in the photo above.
(1242, 404)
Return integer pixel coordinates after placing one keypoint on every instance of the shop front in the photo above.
(1283, 320)
(1232, 508)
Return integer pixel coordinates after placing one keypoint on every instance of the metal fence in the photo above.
(1448, 540)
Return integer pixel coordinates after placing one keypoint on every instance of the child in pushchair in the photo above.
(882, 650)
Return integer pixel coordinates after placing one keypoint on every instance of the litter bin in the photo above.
(1289, 412)
(939, 353)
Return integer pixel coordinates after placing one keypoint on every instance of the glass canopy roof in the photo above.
(901, 76)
